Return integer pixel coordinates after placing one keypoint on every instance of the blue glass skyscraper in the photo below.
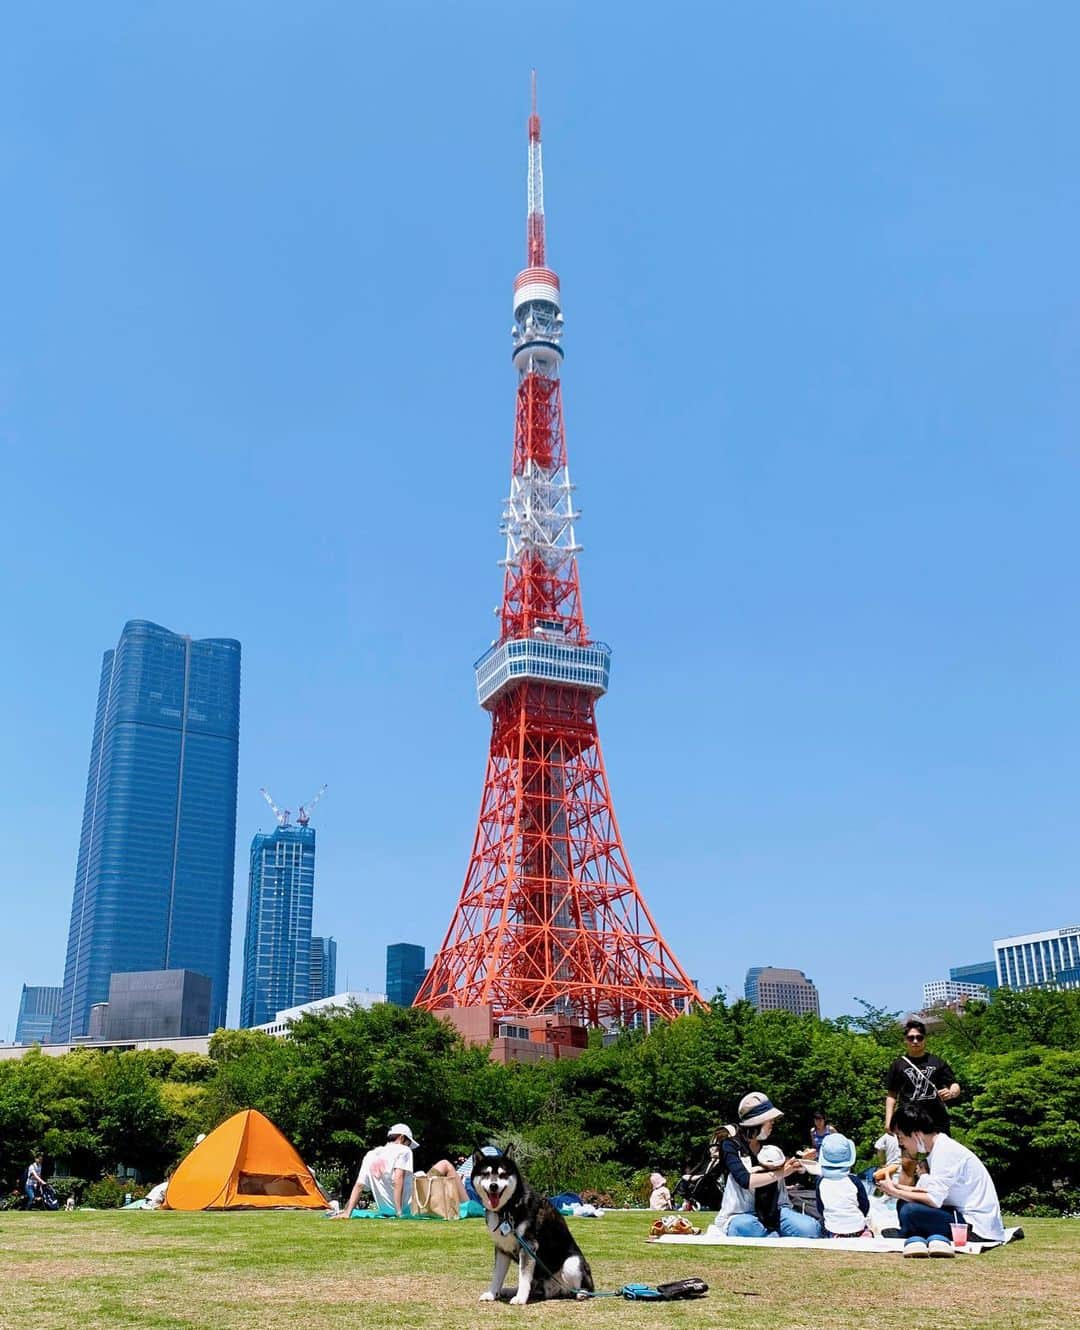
(405, 972)
(323, 967)
(154, 881)
(277, 939)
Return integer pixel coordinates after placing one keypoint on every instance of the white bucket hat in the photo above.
(756, 1108)
(402, 1129)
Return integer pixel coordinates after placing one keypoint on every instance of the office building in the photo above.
(277, 940)
(770, 988)
(984, 972)
(405, 971)
(38, 1008)
(323, 967)
(157, 1004)
(281, 1022)
(154, 880)
(951, 992)
(1039, 960)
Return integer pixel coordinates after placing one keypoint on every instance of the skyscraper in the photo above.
(37, 1012)
(771, 988)
(1050, 959)
(154, 881)
(404, 972)
(277, 940)
(323, 968)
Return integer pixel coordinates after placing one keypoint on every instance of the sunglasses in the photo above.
(914, 1038)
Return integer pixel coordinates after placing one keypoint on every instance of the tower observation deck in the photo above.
(550, 919)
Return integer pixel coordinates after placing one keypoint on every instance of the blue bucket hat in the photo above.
(836, 1155)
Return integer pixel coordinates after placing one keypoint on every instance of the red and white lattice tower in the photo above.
(550, 919)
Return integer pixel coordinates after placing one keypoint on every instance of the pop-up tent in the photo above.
(246, 1163)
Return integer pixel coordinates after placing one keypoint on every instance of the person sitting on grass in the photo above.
(387, 1172)
(660, 1196)
(840, 1195)
(739, 1148)
(957, 1189)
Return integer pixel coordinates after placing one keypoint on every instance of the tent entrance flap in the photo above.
(269, 1184)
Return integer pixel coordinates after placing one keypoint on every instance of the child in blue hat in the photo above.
(841, 1196)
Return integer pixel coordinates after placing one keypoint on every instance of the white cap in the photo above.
(402, 1129)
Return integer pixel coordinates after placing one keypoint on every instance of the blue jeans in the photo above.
(792, 1225)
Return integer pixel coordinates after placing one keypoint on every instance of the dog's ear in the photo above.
(478, 1159)
(508, 1150)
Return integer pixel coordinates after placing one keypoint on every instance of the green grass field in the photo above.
(170, 1271)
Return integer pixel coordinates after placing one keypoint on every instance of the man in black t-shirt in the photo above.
(919, 1077)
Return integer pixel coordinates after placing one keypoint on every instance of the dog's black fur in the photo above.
(550, 1263)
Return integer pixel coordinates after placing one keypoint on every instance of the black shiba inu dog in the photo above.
(527, 1227)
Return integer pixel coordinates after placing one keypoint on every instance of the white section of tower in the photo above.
(536, 178)
(539, 517)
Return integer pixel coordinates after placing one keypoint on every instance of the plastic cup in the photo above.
(959, 1234)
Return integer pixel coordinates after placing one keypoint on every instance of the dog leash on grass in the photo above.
(677, 1289)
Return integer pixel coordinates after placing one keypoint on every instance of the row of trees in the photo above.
(598, 1121)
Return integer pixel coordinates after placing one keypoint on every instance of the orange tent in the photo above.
(245, 1163)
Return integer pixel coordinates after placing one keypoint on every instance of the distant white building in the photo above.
(944, 992)
(279, 1026)
(1040, 960)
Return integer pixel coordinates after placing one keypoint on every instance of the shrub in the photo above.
(110, 1193)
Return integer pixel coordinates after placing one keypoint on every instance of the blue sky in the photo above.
(821, 292)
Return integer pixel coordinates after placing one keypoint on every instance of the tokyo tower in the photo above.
(550, 919)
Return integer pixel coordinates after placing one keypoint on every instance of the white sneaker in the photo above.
(940, 1247)
(915, 1247)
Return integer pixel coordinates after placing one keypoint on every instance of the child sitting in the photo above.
(767, 1199)
(660, 1197)
(841, 1196)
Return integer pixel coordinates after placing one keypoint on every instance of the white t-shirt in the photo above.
(155, 1196)
(840, 1211)
(891, 1147)
(377, 1174)
(959, 1179)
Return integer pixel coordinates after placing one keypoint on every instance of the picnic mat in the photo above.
(879, 1246)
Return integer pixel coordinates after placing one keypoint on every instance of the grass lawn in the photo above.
(165, 1270)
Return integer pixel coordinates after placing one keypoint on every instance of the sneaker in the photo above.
(915, 1247)
(940, 1247)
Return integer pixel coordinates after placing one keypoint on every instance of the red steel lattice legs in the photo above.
(550, 918)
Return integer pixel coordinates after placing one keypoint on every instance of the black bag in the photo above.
(683, 1288)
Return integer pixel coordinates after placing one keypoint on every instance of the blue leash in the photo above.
(632, 1292)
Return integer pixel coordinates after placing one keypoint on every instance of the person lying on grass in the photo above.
(957, 1189)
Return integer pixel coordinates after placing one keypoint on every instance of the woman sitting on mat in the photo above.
(739, 1148)
(957, 1189)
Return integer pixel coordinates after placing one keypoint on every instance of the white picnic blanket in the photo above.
(879, 1246)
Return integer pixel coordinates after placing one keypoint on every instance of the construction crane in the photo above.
(282, 814)
(304, 815)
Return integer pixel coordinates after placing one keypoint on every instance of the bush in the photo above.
(65, 1187)
(111, 1193)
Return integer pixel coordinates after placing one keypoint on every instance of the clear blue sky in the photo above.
(822, 301)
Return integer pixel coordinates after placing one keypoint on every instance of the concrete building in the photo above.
(771, 988)
(282, 1021)
(951, 992)
(522, 1039)
(157, 1004)
(38, 1009)
(1039, 960)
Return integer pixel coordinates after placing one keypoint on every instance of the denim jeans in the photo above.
(792, 1225)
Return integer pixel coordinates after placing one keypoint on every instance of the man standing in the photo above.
(921, 1078)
